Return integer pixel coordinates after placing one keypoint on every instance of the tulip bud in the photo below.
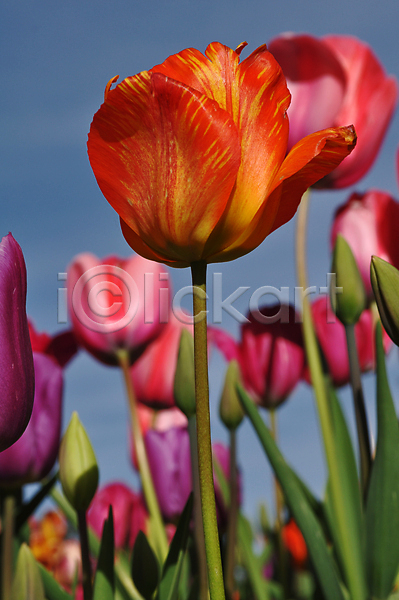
(230, 410)
(349, 303)
(184, 386)
(385, 283)
(78, 466)
(27, 580)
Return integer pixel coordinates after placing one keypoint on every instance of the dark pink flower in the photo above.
(117, 303)
(32, 457)
(370, 224)
(334, 81)
(17, 379)
(270, 354)
(62, 347)
(332, 339)
(129, 513)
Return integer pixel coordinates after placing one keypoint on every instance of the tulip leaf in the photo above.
(382, 511)
(349, 482)
(52, 588)
(27, 581)
(169, 584)
(145, 567)
(104, 585)
(27, 509)
(324, 566)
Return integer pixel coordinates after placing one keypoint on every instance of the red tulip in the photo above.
(61, 347)
(270, 354)
(117, 304)
(33, 456)
(370, 224)
(129, 513)
(192, 155)
(334, 81)
(332, 339)
(154, 372)
(17, 380)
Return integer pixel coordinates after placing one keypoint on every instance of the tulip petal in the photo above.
(310, 160)
(254, 92)
(160, 150)
(369, 103)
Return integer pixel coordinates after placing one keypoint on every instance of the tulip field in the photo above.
(199, 157)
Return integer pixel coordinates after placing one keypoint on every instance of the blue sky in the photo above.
(56, 60)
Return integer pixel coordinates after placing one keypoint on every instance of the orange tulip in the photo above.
(192, 155)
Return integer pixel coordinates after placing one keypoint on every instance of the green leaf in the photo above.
(26, 510)
(52, 588)
(382, 512)
(349, 482)
(145, 567)
(298, 504)
(104, 585)
(27, 581)
(169, 584)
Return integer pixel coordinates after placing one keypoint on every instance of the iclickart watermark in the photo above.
(106, 299)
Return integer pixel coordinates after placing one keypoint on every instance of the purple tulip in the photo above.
(32, 456)
(169, 457)
(17, 380)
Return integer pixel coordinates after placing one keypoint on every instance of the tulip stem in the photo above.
(157, 525)
(360, 409)
(350, 547)
(84, 547)
(198, 524)
(7, 546)
(207, 491)
(233, 516)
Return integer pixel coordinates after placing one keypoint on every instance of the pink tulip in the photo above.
(270, 354)
(33, 456)
(337, 80)
(153, 373)
(332, 339)
(117, 304)
(129, 513)
(17, 380)
(370, 224)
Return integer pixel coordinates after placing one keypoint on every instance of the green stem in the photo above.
(7, 546)
(212, 547)
(360, 409)
(86, 564)
(198, 524)
(282, 554)
(350, 553)
(157, 525)
(233, 516)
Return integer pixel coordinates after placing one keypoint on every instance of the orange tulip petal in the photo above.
(310, 160)
(166, 158)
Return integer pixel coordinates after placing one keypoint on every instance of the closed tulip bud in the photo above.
(78, 466)
(17, 378)
(27, 580)
(230, 410)
(385, 283)
(184, 386)
(349, 303)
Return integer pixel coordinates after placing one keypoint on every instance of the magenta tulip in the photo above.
(129, 513)
(17, 379)
(32, 457)
(332, 339)
(370, 224)
(270, 354)
(117, 304)
(334, 81)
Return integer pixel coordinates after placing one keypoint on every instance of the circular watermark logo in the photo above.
(105, 282)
